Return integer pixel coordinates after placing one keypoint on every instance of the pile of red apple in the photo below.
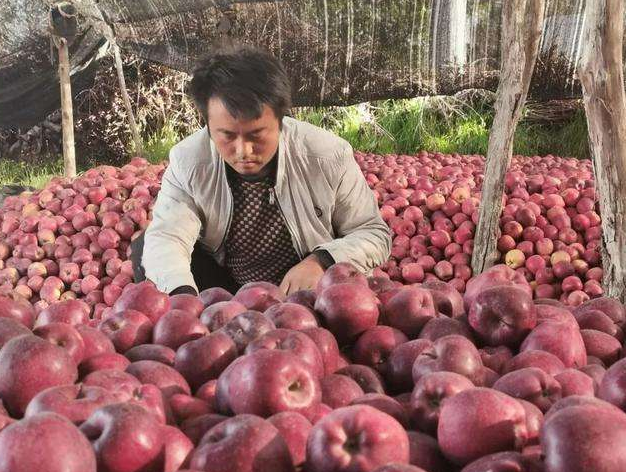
(551, 230)
(361, 375)
(71, 239)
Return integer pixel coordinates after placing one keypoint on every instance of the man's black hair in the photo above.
(244, 78)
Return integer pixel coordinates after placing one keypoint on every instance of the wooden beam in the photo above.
(522, 22)
(67, 114)
(602, 78)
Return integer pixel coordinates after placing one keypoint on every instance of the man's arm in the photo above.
(173, 231)
(363, 238)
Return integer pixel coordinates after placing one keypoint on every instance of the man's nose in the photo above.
(243, 148)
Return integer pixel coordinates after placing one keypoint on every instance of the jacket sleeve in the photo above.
(173, 231)
(362, 237)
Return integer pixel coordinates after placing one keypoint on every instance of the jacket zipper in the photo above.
(274, 201)
(230, 219)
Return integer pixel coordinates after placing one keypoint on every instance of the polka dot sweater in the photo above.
(258, 243)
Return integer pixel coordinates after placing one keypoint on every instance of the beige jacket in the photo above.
(320, 189)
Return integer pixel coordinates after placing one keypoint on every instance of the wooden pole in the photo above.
(522, 22)
(69, 153)
(602, 78)
(129, 108)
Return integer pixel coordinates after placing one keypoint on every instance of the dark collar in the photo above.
(268, 170)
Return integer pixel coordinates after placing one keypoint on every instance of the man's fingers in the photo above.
(284, 285)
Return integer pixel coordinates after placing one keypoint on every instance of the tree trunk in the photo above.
(129, 108)
(522, 22)
(69, 153)
(601, 75)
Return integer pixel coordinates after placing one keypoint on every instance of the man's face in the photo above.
(246, 145)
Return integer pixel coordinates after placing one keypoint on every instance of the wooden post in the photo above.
(602, 78)
(67, 114)
(129, 108)
(63, 30)
(522, 22)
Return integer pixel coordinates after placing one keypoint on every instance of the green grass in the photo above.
(444, 124)
(157, 146)
(21, 173)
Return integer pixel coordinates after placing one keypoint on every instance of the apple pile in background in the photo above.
(363, 374)
(71, 239)
(550, 224)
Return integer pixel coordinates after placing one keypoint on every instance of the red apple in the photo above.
(335, 441)
(339, 390)
(145, 298)
(495, 276)
(424, 452)
(502, 315)
(339, 273)
(348, 309)
(480, 421)
(126, 329)
(245, 443)
(185, 407)
(125, 437)
(161, 375)
(401, 360)
(452, 353)
(385, 404)
(304, 297)
(543, 360)
(195, 428)
(17, 309)
(409, 310)
(177, 327)
(259, 296)
(151, 352)
(601, 345)
(598, 432)
(612, 385)
(108, 360)
(64, 336)
(561, 339)
(446, 299)
(429, 395)
(74, 402)
(246, 327)
(216, 315)
(495, 358)
(59, 446)
(268, 382)
(291, 316)
(187, 302)
(531, 384)
(214, 295)
(375, 345)
(294, 429)
(292, 341)
(28, 365)
(443, 326)
(327, 345)
(205, 358)
(95, 341)
(575, 382)
(368, 379)
(9, 329)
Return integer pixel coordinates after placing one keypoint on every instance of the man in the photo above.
(256, 195)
